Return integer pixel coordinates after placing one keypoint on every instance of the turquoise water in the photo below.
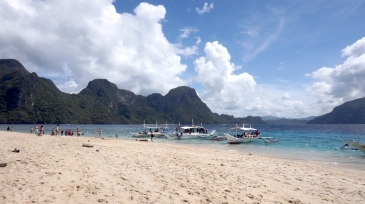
(315, 143)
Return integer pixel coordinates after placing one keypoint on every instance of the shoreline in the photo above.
(270, 155)
(60, 170)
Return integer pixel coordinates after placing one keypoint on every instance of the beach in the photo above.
(49, 169)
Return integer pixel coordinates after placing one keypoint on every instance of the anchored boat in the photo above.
(190, 132)
(156, 131)
(248, 134)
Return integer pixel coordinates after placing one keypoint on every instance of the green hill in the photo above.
(351, 112)
(27, 98)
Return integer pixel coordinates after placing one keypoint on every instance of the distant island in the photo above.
(28, 99)
(351, 112)
(288, 121)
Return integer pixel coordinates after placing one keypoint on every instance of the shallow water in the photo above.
(316, 143)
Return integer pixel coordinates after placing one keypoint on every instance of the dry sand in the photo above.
(59, 170)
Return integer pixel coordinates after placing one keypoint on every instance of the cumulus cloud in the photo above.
(230, 90)
(206, 8)
(356, 49)
(73, 42)
(224, 90)
(345, 81)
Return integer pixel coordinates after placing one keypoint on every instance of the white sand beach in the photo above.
(60, 170)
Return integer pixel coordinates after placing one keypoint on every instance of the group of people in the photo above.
(198, 130)
(252, 134)
(56, 131)
(10, 129)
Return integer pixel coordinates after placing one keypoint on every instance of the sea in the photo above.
(310, 143)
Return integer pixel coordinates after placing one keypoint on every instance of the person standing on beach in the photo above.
(100, 133)
(57, 130)
(78, 131)
(62, 132)
(41, 131)
(31, 130)
(152, 137)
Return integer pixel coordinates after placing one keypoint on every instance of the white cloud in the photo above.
(206, 8)
(224, 90)
(68, 86)
(357, 49)
(186, 32)
(185, 51)
(260, 32)
(285, 96)
(345, 81)
(94, 41)
(238, 94)
(198, 40)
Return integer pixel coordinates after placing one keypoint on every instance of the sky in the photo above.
(287, 58)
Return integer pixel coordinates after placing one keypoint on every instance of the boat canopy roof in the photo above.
(191, 127)
(247, 129)
(155, 127)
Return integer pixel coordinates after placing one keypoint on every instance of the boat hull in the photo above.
(186, 136)
(172, 137)
(144, 135)
(237, 140)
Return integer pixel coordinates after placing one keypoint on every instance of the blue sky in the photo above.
(283, 58)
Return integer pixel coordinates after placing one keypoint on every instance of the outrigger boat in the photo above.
(249, 134)
(156, 131)
(357, 145)
(190, 132)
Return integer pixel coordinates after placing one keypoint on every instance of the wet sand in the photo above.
(61, 170)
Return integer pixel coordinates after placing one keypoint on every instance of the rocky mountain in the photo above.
(27, 98)
(351, 112)
(286, 121)
(270, 117)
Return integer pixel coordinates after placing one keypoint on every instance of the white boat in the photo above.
(190, 132)
(357, 145)
(249, 134)
(156, 131)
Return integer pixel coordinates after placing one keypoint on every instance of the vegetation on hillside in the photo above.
(351, 112)
(27, 98)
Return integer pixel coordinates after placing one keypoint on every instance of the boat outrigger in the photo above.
(156, 131)
(268, 140)
(190, 132)
(356, 144)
